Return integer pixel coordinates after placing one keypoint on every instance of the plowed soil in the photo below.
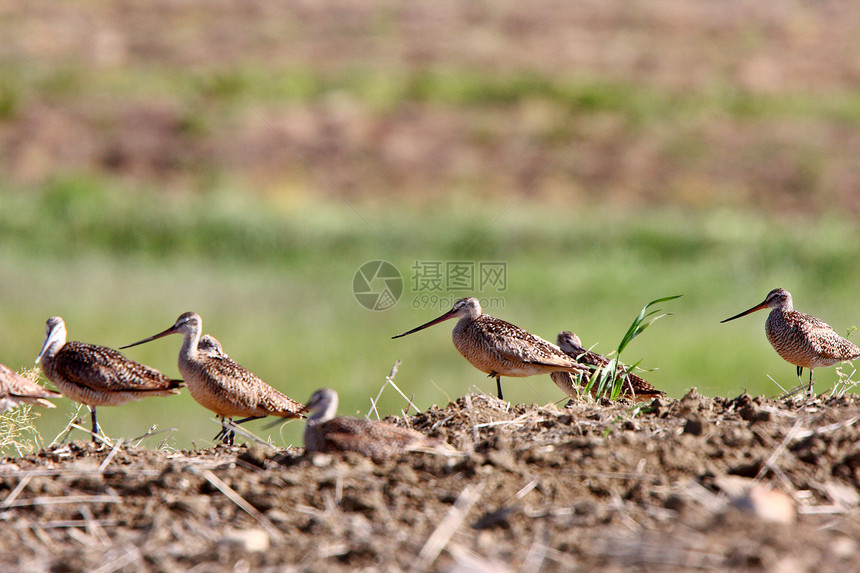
(713, 484)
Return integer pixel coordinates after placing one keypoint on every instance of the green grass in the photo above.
(274, 284)
(19, 434)
(247, 84)
(608, 380)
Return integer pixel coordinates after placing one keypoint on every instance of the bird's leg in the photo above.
(230, 433)
(95, 422)
(248, 419)
(800, 373)
(498, 378)
(223, 435)
(809, 391)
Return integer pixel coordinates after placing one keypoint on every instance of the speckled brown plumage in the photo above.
(16, 390)
(801, 339)
(500, 348)
(634, 386)
(96, 375)
(326, 432)
(221, 385)
(100, 376)
(210, 345)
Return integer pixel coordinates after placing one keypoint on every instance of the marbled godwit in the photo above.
(326, 432)
(221, 385)
(799, 338)
(96, 375)
(634, 386)
(209, 345)
(499, 348)
(16, 390)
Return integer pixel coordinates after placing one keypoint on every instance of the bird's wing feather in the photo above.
(103, 369)
(825, 341)
(367, 436)
(517, 345)
(16, 385)
(247, 384)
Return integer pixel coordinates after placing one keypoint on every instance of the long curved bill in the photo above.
(170, 330)
(55, 335)
(444, 317)
(746, 312)
(44, 348)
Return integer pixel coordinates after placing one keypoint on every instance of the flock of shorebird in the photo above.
(99, 376)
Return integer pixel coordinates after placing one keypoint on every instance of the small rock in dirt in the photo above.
(748, 411)
(585, 508)
(741, 401)
(749, 469)
(255, 455)
(321, 460)
(695, 425)
(251, 540)
(358, 503)
(630, 426)
(753, 413)
(767, 504)
(675, 503)
(763, 415)
(843, 547)
(689, 403)
(496, 518)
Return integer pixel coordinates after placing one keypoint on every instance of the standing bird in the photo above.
(221, 385)
(96, 375)
(634, 386)
(16, 390)
(326, 432)
(499, 348)
(799, 338)
(210, 346)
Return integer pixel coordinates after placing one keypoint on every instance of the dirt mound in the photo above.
(705, 483)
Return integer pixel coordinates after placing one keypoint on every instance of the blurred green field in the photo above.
(273, 282)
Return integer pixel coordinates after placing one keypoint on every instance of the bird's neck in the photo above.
(782, 311)
(189, 345)
(464, 322)
(51, 349)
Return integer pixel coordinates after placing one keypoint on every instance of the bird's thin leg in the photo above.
(809, 391)
(222, 435)
(499, 386)
(800, 372)
(248, 419)
(95, 422)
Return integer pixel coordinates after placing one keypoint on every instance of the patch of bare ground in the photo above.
(715, 484)
(171, 95)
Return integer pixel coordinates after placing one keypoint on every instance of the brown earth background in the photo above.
(705, 104)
